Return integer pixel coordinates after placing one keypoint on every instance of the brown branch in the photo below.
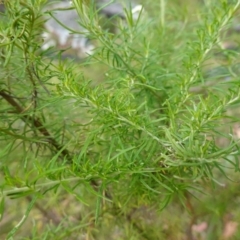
(190, 208)
(48, 214)
(36, 123)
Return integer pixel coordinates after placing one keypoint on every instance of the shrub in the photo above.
(138, 125)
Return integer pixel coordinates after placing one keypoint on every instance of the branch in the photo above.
(36, 123)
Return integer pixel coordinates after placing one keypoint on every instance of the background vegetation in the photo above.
(137, 141)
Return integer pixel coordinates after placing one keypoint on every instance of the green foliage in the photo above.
(146, 133)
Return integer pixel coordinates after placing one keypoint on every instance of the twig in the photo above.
(49, 214)
(37, 124)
